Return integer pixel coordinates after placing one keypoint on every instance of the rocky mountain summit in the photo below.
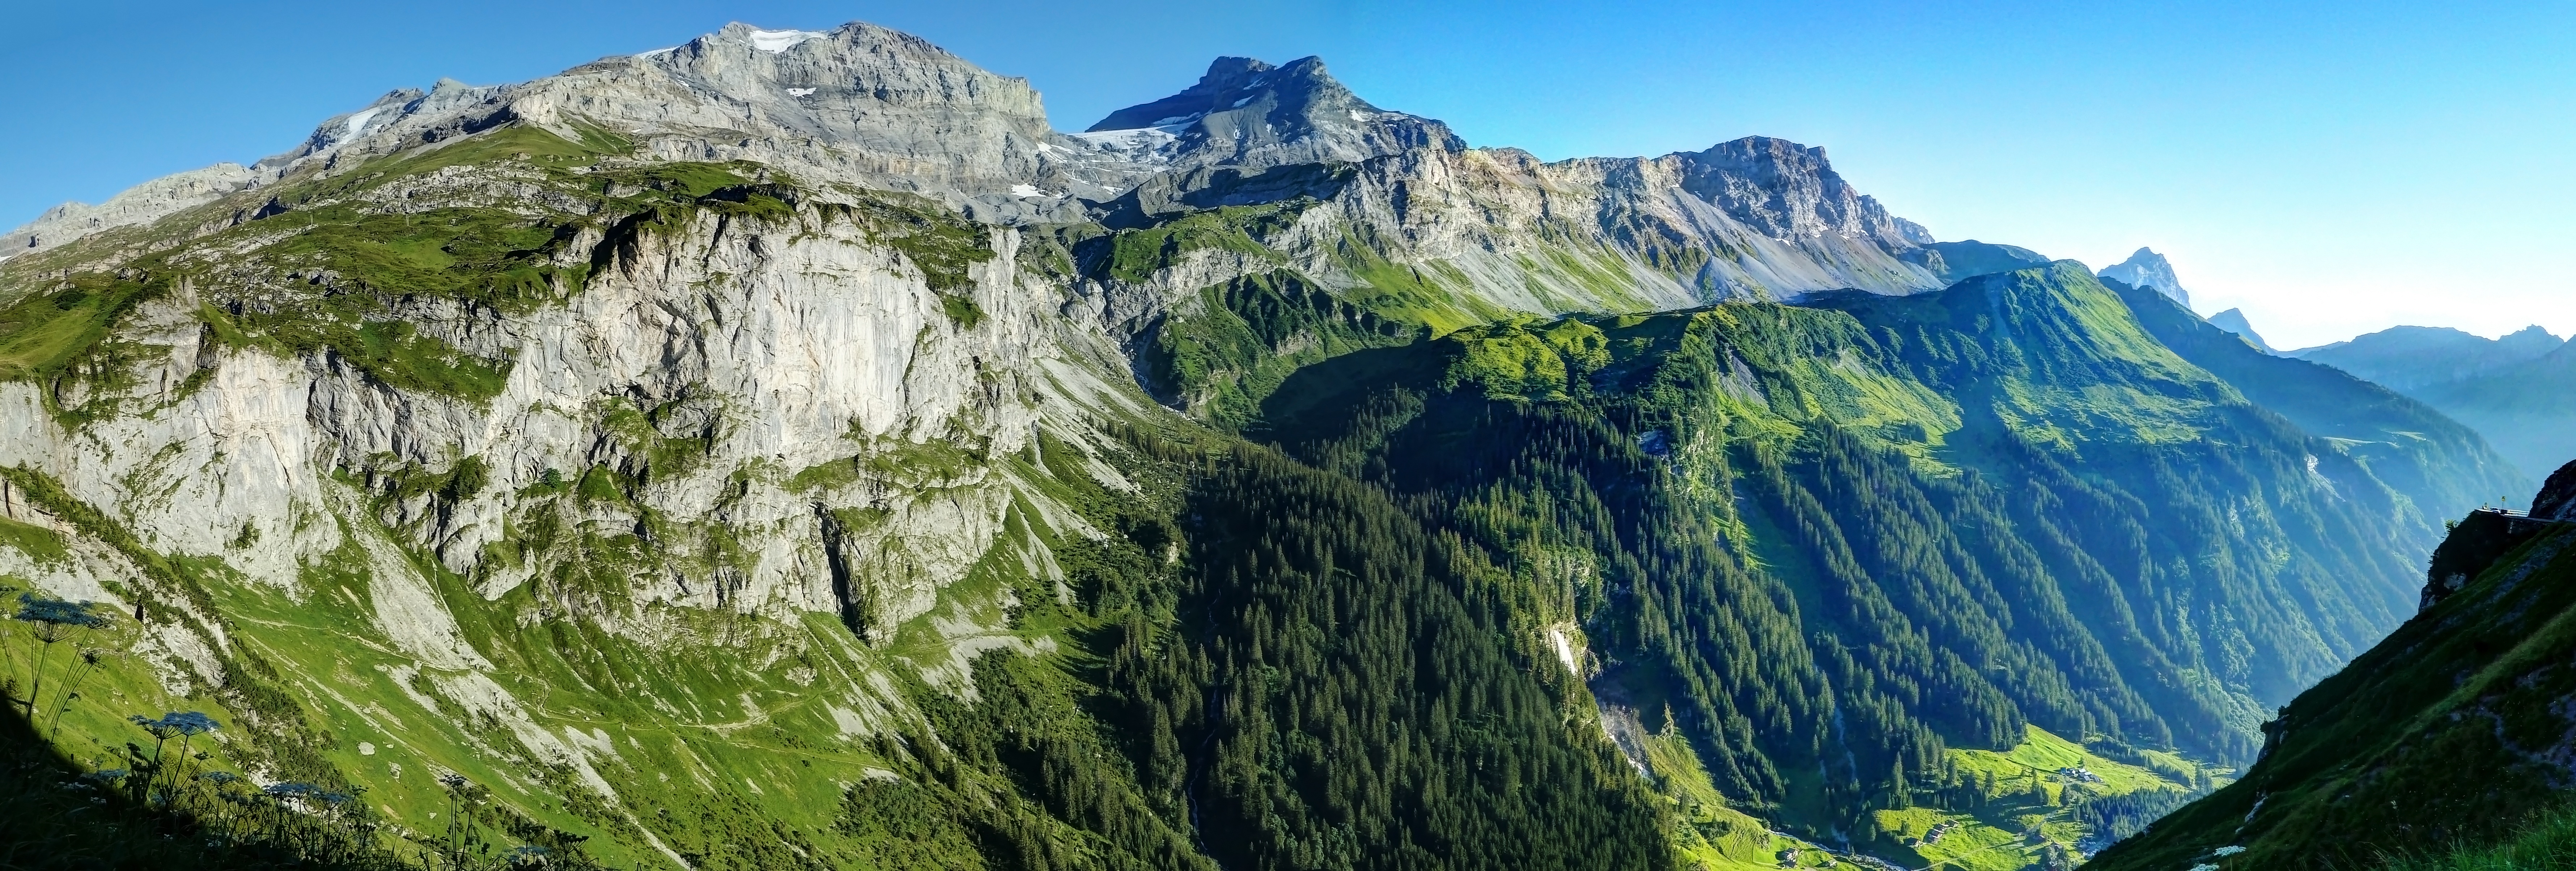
(1253, 115)
(2148, 269)
(874, 108)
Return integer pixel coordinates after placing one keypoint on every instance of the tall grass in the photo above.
(2548, 843)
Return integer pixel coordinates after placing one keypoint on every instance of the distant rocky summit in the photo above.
(2233, 320)
(2148, 269)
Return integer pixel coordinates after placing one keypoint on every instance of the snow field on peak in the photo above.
(358, 122)
(775, 41)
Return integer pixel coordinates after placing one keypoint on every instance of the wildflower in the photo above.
(177, 724)
(46, 612)
(291, 789)
(54, 621)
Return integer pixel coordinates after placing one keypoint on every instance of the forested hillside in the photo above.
(1863, 536)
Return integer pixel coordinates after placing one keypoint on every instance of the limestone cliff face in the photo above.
(772, 416)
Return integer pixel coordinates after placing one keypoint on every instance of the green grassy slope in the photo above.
(2451, 733)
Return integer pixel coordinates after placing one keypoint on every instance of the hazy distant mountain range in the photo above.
(2519, 390)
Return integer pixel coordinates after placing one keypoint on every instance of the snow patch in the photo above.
(1141, 145)
(658, 52)
(358, 123)
(775, 41)
(1026, 190)
(1356, 116)
(1238, 104)
(800, 92)
(1176, 121)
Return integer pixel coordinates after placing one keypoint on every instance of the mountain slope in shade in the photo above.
(2444, 467)
(2148, 269)
(1954, 261)
(2450, 734)
(2233, 321)
(2527, 409)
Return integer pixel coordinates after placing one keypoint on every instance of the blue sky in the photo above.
(2330, 168)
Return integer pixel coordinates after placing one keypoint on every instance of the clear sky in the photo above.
(2332, 168)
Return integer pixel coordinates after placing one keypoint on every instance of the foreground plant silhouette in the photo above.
(54, 620)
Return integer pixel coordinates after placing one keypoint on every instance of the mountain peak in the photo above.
(2233, 320)
(1235, 83)
(2149, 270)
(1245, 112)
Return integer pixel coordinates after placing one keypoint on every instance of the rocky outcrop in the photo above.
(2486, 535)
(140, 204)
(2557, 497)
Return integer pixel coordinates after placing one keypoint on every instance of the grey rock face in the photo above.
(140, 204)
(1787, 191)
(869, 107)
(2233, 320)
(860, 105)
(2149, 270)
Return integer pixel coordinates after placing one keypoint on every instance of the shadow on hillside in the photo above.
(51, 817)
